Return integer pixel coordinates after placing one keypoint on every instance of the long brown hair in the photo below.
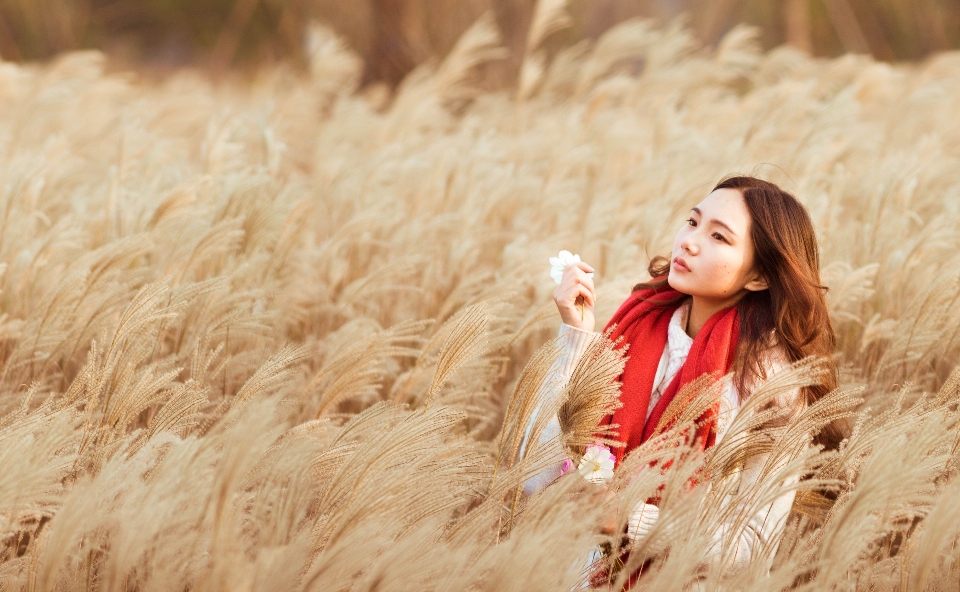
(794, 307)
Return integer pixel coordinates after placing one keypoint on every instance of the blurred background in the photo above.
(393, 36)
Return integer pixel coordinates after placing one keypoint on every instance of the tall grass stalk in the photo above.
(280, 336)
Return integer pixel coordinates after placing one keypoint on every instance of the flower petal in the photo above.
(594, 477)
(582, 466)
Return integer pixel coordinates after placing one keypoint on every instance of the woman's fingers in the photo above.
(584, 266)
(586, 293)
(610, 524)
(568, 295)
(578, 268)
(577, 274)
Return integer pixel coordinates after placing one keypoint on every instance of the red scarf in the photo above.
(642, 321)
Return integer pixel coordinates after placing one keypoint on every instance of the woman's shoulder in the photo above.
(773, 361)
(774, 358)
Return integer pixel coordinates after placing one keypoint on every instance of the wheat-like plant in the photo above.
(278, 334)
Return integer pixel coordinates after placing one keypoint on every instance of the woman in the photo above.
(739, 294)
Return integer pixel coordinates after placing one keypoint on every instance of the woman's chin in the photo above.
(675, 281)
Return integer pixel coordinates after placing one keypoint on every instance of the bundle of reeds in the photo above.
(268, 337)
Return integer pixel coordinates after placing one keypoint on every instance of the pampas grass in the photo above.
(277, 335)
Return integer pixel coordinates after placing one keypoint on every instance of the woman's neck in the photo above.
(701, 309)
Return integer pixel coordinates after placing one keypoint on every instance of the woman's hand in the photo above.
(576, 288)
(603, 497)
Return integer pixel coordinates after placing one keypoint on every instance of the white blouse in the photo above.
(765, 526)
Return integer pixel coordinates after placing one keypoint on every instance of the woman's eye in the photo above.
(691, 222)
(719, 237)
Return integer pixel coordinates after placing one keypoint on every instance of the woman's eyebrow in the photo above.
(717, 222)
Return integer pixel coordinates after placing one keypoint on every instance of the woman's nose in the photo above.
(690, 245)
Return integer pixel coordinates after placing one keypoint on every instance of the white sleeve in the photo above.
(641, 520)
(761, 531)
(573, 343)
(758, 533)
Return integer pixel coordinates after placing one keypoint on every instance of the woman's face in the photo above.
(713, 253)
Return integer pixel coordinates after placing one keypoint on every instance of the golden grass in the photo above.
(265, 336)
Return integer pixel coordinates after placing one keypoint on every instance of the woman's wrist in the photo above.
(575, 321)
(578, 328)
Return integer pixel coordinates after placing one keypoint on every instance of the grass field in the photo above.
(279, 334)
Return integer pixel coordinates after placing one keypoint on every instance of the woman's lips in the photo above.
(679, 264)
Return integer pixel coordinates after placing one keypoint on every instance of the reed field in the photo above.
(285, 334)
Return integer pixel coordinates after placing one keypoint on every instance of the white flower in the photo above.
(596, 466)
(560, 262)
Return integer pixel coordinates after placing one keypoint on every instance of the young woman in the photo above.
(739, 294)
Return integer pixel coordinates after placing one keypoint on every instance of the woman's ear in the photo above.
(757, 284)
